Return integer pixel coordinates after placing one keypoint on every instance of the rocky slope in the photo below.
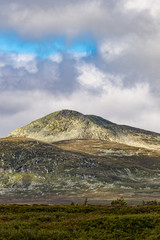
(36, 171)
(67, 125)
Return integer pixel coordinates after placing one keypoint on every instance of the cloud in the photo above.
(90, 76)
(152, 7)
(65, 17)
(34, 19)
(56, 58)
(17, 61)
(10, 104)
(99, 57)
(24, 75)
(111, 50)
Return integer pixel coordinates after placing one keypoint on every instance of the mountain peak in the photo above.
(64, 125)
(68, 124)
(67, 112)
(72, 114)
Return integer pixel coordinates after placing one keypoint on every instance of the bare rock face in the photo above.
(68, 125)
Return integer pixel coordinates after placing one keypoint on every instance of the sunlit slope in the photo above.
(67, 125)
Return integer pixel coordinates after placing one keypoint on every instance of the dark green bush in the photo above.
(119, 202)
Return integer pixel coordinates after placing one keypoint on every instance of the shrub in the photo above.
(150, 203)
(119, 202)
(85, 201)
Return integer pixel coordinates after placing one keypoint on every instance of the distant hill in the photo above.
(68, 124)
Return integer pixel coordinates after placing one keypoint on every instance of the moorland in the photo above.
(85, 222)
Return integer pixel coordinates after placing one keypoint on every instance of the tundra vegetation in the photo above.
(118, 221)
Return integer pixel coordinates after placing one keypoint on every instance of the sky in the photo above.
(97, 57)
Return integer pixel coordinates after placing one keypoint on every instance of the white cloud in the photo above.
(152, 6)
(78, 56)
(24, 60)
(27, 61)
(138, 5)
(90, 76)
(112, 50)
(57, 58)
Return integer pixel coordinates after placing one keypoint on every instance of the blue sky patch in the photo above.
(84, 45)
(12, 43)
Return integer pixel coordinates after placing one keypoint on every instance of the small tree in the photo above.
(119, 202)
(85, 201)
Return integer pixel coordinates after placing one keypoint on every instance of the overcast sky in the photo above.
(98, 57)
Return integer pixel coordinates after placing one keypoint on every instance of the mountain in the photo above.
(67, 125)
(67, 156)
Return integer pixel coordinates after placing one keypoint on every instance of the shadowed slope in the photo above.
(31, 169)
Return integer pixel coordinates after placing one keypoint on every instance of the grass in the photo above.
(79, 222)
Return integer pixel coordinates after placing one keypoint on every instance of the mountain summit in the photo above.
(69, 124)
(66, 125)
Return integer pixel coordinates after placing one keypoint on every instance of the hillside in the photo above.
(34, 171)
(68, 125)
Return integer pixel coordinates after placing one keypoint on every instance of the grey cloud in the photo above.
(11, 107)
(49, 77)
(102, 18)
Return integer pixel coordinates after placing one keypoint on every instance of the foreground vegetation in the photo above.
(79, 222)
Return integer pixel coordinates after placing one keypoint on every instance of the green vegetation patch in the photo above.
(79, 222)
